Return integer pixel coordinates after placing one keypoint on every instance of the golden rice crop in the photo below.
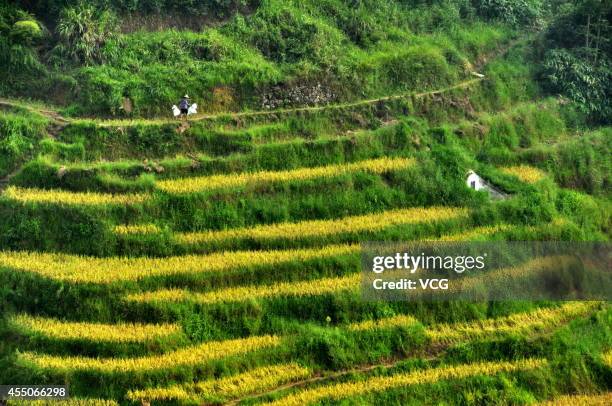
(476, 232)
(188, 185)
(76, 268)
(242, 293)
(231, 387)
(382, 383)
(63, 197)
(127, 229)
(66, 330)
(312, 228)
(527, 174)
(608, 358)
(485, 231)
(603, 399)
(190, 356)
(527, 322)
(536, 320)
(389, 322)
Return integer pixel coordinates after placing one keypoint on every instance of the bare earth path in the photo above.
(57, 119)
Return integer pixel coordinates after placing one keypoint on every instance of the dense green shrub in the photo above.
(587, 85)
(582, 162)
(26, 31)
(218, 8)
(577, 59)
(515, 12)
(285, 34)
(19, 32)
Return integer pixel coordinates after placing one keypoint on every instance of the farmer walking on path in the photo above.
(184, 106)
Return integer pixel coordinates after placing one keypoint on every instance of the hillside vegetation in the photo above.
(217, 259)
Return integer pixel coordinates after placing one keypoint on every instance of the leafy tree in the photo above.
(587, 85)
(514, 12)
(578, 60)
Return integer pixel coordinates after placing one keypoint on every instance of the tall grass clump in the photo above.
(20, 134)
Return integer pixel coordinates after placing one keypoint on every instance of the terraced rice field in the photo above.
(61, 197)
(320, 228)
(525, 173)
(581, 400)
(232, 387)
(190, 185)
(186, 357)
(114, 333)
(381, 384)
(236, 279)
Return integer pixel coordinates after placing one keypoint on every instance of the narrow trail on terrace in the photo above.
(55, 126)
(428, 354)
(59, 121)
(319, 378)
(53, 115)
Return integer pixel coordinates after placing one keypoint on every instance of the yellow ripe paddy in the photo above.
(390, 322)
(76, 268)
(190, 356)
(603, 399)
(195, 184)
(63, 197)
(136, 229)
(231, 387)
(315, 287)
(608, 358)
(316, 228)
(345, 390)
(117, 333)
(528, 322)
(527, 174)
(476, 232)
(242, 293)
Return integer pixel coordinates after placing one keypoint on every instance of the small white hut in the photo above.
(476, 182)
